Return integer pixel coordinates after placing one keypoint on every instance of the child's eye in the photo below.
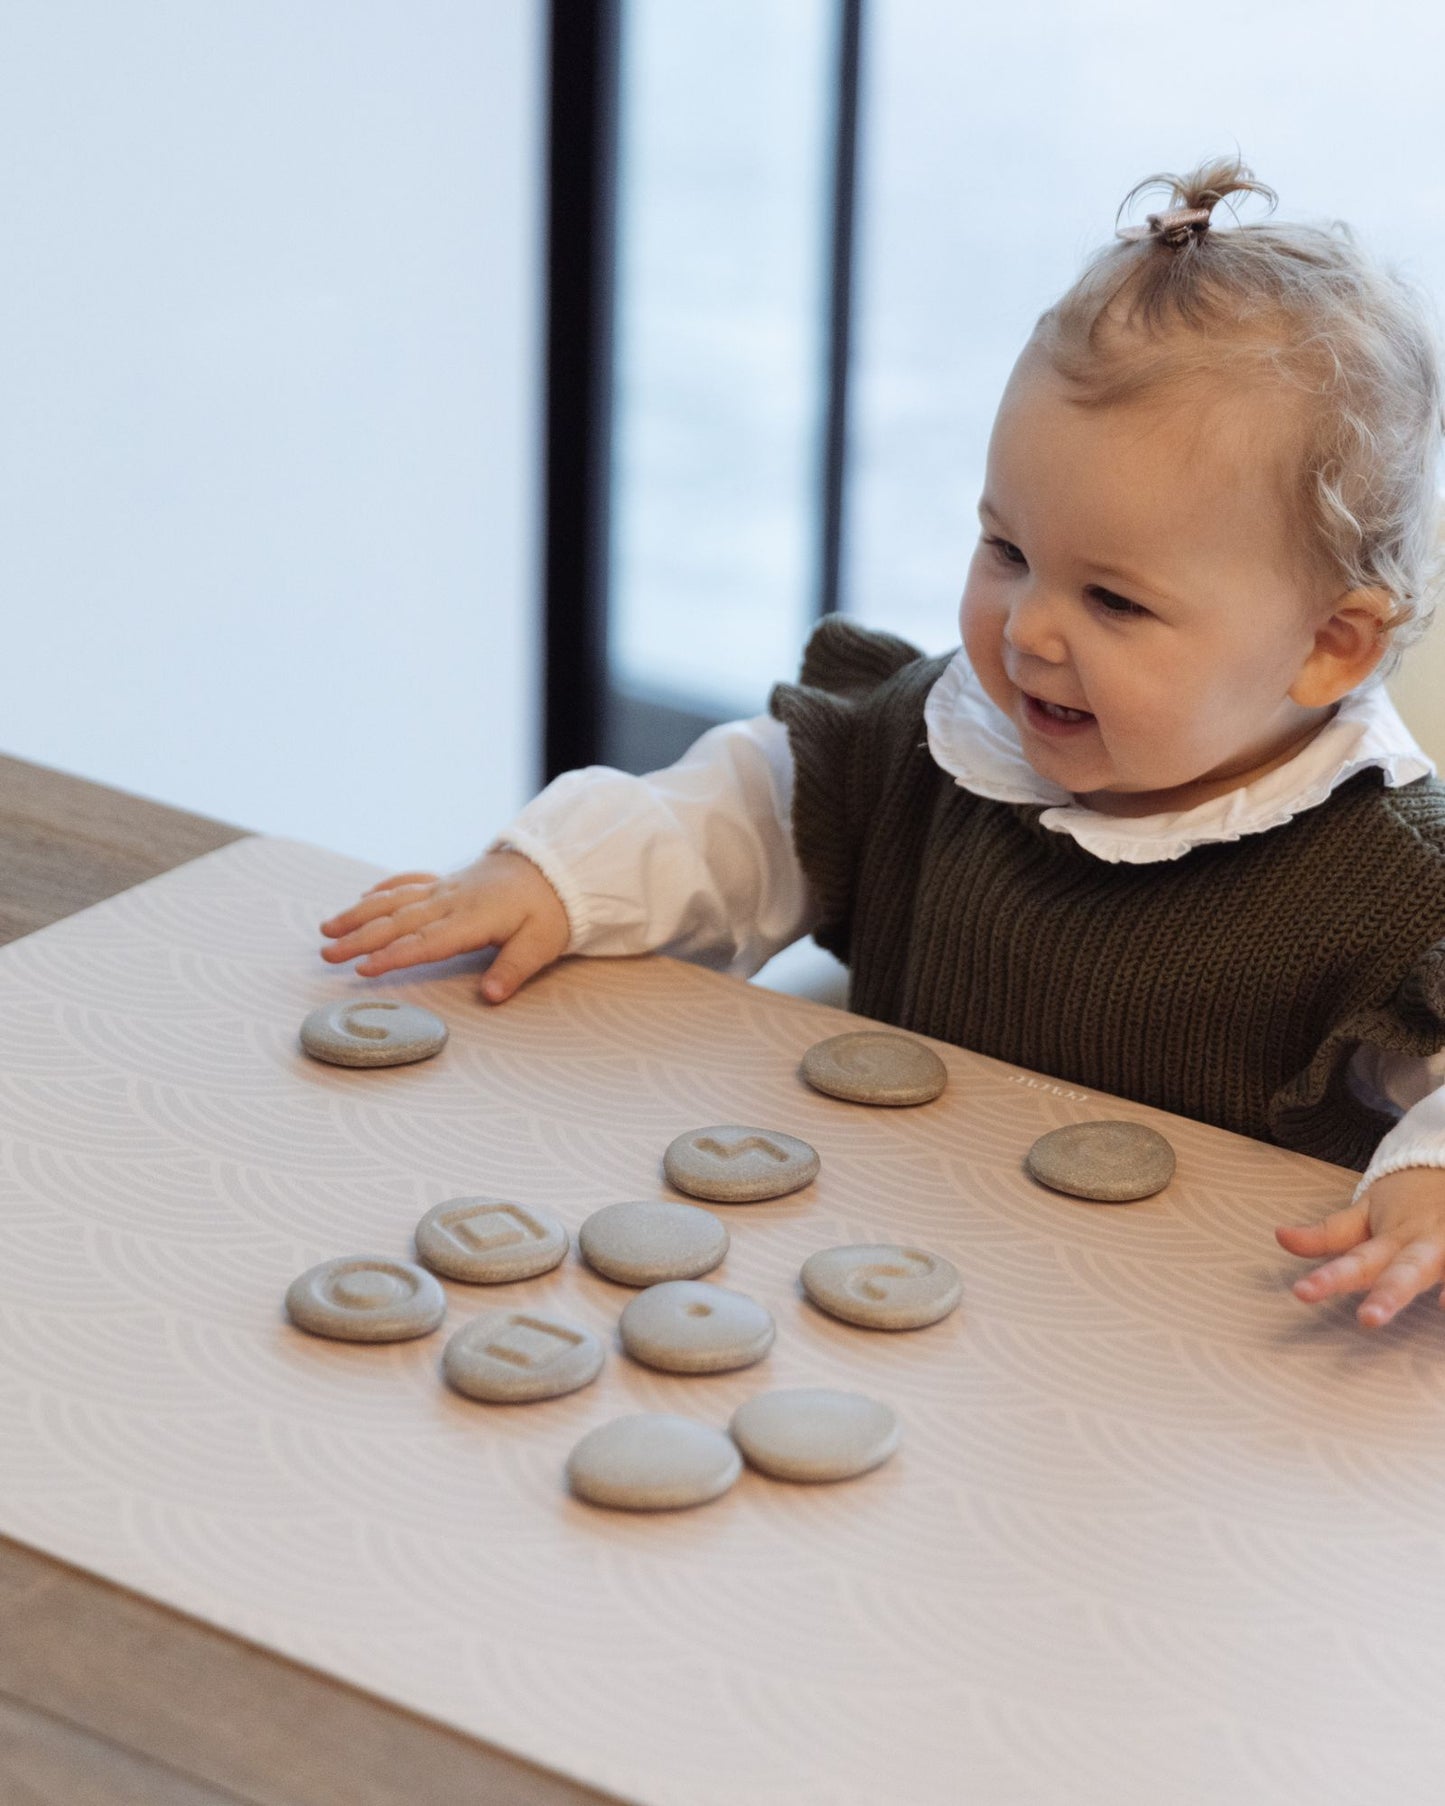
(1007, 551)
(1113, 604)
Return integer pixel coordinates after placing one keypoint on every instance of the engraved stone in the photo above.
(1106, 1162)
(513, 1356)
(366, 1298)
(879, 1285)
(640, 1244)
(871, 1068)
(814, 1433)
(488, 1241)
(372, 1031)
(733, 1165)
(653, 1462)
(688, 1326)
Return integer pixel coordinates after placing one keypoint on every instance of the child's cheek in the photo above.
(981, 618)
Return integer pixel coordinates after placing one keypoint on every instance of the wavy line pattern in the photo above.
(1156, 1530)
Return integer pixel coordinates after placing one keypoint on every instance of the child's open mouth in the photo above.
(1052, 718)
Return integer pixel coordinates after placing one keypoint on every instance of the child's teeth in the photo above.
(1063, 714)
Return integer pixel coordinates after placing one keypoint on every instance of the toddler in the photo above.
(1156, 829)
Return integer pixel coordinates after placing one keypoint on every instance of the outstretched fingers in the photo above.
(371, 908)
(378, 928)
(1352, 1272)
(1416, 1267)
(434, 940)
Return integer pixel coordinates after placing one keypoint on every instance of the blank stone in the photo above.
(372, 1031)
(513, 1357)
(643, 1243)
(366, 1298)
(1106, 1162)
(814, 1433)
(879, 1285)
(488, 1241)
(872, 1068)
(729, 1164)
(688, 1326)
(653, 1462)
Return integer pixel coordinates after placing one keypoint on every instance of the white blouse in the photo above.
(698, 861)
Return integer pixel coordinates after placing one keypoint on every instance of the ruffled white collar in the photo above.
(976, 743)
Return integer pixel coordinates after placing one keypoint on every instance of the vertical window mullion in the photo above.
(840, 303)
(582, 183)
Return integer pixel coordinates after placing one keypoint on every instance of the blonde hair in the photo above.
(1184, 304)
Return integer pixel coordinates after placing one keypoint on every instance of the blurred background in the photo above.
(406, 399)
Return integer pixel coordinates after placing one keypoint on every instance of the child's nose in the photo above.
(1032, 628)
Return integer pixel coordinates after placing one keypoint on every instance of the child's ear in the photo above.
(1347, 647)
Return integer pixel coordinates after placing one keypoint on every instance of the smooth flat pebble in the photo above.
(372, 1031)
(814, 1433)
(688, 1326)
(728, 1164)
(643, 1243)
(515, 1356)
(880, 1285)
(366, 1298)
(653, 1462)
(488, 1241)
(1106, 1162)
(871, 1068)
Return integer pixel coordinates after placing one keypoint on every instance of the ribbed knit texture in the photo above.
(1231, 985)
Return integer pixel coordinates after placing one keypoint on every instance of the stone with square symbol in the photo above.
(488, 1241)
(513, 1357)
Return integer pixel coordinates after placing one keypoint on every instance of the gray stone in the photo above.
(688, 1326)
(489, 1241)
(366, 1298)
(372, 1031)
(879, 1285)
(814, 1433)
(1106, 1162)
(873, 1068)
(515, 1356)
(643, 1243)
(653, 1462)
(733, 1165)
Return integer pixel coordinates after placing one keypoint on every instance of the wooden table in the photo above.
(106, 1698)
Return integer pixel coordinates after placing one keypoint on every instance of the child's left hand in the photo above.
(1390, 1243)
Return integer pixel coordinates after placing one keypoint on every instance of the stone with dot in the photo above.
(366, 1298)
(689, 1326)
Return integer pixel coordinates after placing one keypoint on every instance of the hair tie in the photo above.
(1174, 228)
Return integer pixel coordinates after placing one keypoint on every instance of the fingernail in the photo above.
(1374, 1315)
(492, 988)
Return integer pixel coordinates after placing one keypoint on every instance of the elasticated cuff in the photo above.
(569, 892)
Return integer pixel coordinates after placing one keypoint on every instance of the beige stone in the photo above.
(875, 1068)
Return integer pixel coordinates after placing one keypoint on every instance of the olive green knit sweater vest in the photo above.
(1231, 985)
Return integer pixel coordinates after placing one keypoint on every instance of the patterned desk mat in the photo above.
(1156, 1531)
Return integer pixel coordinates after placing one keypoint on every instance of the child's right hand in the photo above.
(502, 901)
